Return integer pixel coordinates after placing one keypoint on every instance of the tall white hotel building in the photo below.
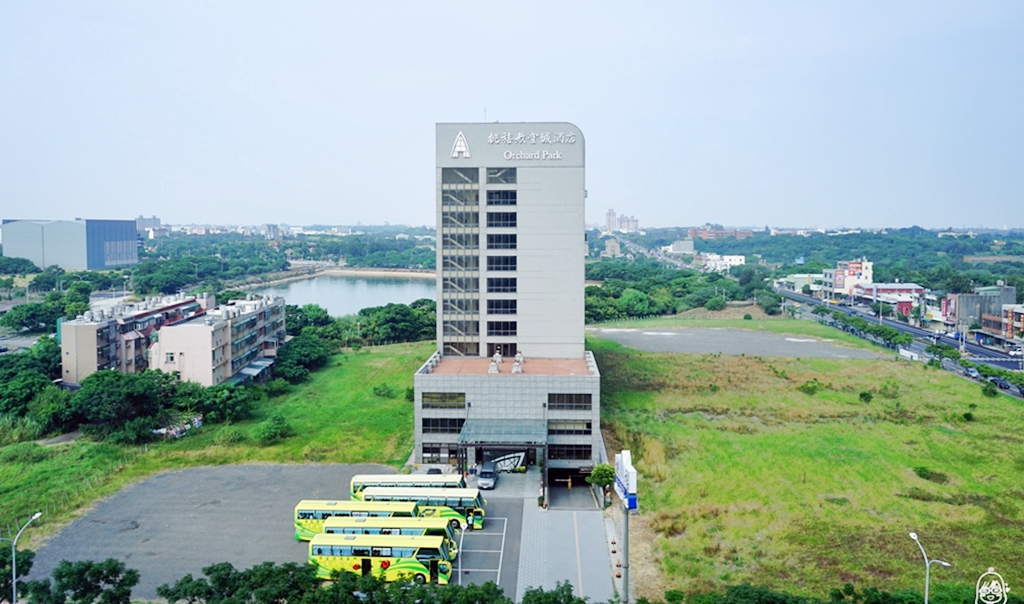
(511, 245)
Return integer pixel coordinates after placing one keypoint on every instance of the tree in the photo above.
(634, 303)
(603, 475)
(25, 559)
(86, 582)
(715, 303)
(806, 290)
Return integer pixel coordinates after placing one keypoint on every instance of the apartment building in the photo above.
(510, 381)
(234, 343)
(118, 338)
(839, 282)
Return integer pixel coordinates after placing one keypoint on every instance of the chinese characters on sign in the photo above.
(531, 138)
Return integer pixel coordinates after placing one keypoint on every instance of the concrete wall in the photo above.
(189, 350)
(47, 243)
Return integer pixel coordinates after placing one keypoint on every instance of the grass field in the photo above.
(334, 418)
(745, 477)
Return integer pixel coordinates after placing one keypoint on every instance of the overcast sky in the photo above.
(819, 114)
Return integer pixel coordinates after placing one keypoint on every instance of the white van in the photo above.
(488, 476)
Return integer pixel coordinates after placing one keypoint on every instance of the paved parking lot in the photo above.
(732, 341)
(492, 554)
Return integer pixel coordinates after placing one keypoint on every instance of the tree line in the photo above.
(910, 255)
(645, 287)
(111, 582)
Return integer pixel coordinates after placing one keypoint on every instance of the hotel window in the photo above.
(169, 357)
(501, 198)
(461, 305)
(572, 452)
(444, 425)
(444, 400)
(569, 402)
(501, 176)
(501, 242)
(461, 263)
(460, 176)
(460, 219)
(461, 241)
(501, 307)
(501, 328)
(501, 263)
(462, 348)
(460, 196)
(460, 284)
(502, 285)
(461, 328)
(501, 219)
(565, 426)
(431, 453)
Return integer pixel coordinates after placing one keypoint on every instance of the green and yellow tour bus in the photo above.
(395, 525)
(464, 507)
(311, 513)
(432, 481)
(389, 557)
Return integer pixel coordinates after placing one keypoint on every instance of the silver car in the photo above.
(488, 477)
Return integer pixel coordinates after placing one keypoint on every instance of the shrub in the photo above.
(746, 317)
(384, 390)
(134, 432)
(890, 390)
(410, 394)
(968, 417)
(17, 429)
(275, 428)
(811, 387)
(229, 435)
(865, 397)
(715, 303)
(989, 390)
(277, 387)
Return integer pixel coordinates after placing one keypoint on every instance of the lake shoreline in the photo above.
(397, 273)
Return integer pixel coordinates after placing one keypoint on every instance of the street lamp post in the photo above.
(927, 566)
(14, 559)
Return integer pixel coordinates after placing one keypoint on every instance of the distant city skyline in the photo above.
(749, 114)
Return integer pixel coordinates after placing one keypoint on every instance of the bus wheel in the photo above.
(455, 524)
(419, 578)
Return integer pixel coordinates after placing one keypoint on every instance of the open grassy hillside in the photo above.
(804, 474)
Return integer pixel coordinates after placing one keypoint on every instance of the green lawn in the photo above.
(335, 418)
(743, 477)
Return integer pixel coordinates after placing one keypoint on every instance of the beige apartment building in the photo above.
(118, 338)
(231, 344)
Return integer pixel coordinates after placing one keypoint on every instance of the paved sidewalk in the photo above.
(574, 542)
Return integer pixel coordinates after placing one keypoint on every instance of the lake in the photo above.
(344, 295)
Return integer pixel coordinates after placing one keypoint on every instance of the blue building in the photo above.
(72, 244)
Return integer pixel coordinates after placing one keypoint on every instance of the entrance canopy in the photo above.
(526, 432)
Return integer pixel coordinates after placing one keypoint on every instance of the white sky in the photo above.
(786, 114)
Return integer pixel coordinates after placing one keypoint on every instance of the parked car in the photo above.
(3, 348)
(488, 476)
(972, 373)
(1016, 352)
(434, 471)
(998, 381)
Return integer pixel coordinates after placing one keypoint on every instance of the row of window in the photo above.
(472, 328)
(472, 306)
(556, 402)
(566, 426)
(571, 452)
(501, 263)
(442, 425)
(464, 349)
(495, 285)
(469, 195)
(472, 219)
(501, 328)
(495, 176)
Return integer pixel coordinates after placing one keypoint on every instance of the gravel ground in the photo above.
(176, 523)
(732, 341)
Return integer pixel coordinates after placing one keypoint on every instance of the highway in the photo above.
(994, 358)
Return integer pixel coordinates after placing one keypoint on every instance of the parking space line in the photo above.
(482, 551)
(501, 556)
(579, 564)
(481, 570)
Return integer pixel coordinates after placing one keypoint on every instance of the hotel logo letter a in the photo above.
(460, 146)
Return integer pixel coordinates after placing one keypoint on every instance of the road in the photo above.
(1003, 360)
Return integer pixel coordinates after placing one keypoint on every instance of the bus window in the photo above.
(381, 551)
(426, 553)
(360, 551)
(436, 501)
